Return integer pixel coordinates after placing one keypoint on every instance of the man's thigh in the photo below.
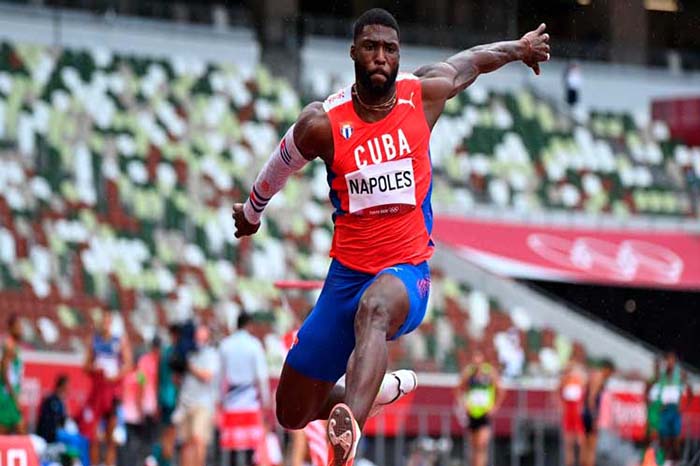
(327, 336)
(412, 289)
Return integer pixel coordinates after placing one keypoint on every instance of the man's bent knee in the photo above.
(375, 311)
(289, 414)
(291, 419)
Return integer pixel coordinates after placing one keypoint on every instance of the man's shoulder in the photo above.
(407, 77)
(337, 99)
(313, 132)
(209, 351)
(205, 356)
(314, 114)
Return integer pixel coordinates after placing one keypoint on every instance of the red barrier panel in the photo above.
(241, 430)
(430, 409)
(682, 117)
(17, 450)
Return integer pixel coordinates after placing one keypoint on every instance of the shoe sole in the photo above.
(340, 423)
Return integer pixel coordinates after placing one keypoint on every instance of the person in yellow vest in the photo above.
(480, 393)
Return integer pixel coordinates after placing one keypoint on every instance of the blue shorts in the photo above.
(327, 337)
(670, 422)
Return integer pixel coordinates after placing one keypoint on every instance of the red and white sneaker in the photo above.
(343, 435)
(395, 386)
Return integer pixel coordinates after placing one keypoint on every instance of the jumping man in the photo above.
(373, 137)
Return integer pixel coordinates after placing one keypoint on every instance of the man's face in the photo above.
(607, 372)
(106, 323)
(670, 361)
(201, 335)
(376, 57)
(16, 329)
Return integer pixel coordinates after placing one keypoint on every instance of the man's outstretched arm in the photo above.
(308, 138)
(442, 81)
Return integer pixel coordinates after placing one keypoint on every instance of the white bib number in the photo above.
(671, 394)
(572, 392)
(384, 188)
(108, 364)
(478, 398)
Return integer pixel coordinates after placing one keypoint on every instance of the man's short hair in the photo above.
(243, 319)
(607, 363)
(374, 16)
(61, 381)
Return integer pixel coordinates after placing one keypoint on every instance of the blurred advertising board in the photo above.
(602, 256)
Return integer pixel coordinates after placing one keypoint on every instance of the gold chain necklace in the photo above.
(378, 107)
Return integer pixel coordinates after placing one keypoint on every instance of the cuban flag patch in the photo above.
(346, 130)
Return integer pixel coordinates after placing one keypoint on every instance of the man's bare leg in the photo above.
(383, 309)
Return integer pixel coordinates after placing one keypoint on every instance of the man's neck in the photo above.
(371, 98)
(365, 99)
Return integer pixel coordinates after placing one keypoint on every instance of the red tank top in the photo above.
(380, 182)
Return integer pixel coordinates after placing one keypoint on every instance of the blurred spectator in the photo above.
(653, 397)
(198, 396)
(167, 399)
(572, 83)
(140, 403)
(52, 411)
(246, 387)
(182, 347)
(510, 352)
(571, 393)
(595, 386)
(107, 361)
(11, 371)
(480, 393)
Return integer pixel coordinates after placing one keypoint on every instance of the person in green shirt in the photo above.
(653, 400)
(480, 394)
(167, 400)
(671, 387)
(11, 370)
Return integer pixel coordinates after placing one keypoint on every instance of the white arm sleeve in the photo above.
(285, 160)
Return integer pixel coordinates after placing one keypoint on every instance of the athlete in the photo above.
(107, 361)
(595, 386)
(653, 399)
(11, 371)
(481, 395)
(373, 137)
(669, 390)
(571, 395)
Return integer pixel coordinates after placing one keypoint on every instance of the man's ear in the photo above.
(352, 52)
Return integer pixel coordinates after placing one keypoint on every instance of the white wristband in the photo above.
(250, 213)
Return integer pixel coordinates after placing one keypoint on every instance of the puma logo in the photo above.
(408, 101)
